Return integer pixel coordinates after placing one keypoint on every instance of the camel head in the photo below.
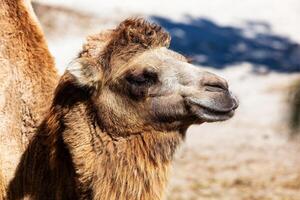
(135, 81)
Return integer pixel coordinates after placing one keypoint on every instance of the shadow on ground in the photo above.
(210, 44)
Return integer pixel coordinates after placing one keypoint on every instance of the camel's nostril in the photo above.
(216, 87)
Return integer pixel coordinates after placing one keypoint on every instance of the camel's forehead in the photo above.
(158, 57)
(163, 60)
(162, 53)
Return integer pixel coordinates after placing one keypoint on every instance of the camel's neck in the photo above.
(135, 167)
(27, 80)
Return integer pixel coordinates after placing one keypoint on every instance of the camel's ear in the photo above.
(86, 73)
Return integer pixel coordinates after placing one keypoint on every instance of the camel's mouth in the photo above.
(212, 113)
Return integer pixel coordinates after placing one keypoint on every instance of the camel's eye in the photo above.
(145, 78)
(139, 81)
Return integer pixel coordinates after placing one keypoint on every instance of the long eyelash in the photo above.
(136, 80)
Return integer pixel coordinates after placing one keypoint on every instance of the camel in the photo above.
(27, 82)
(119, 112)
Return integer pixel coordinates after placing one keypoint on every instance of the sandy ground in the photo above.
(250, 157)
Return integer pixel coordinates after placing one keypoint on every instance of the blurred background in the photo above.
(255, 45)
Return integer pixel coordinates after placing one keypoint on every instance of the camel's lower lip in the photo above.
(212, 115)
(217, 111)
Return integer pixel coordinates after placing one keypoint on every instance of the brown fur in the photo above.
(101, 138)
(27, 81)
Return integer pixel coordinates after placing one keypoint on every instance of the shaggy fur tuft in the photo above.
(131, 37)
